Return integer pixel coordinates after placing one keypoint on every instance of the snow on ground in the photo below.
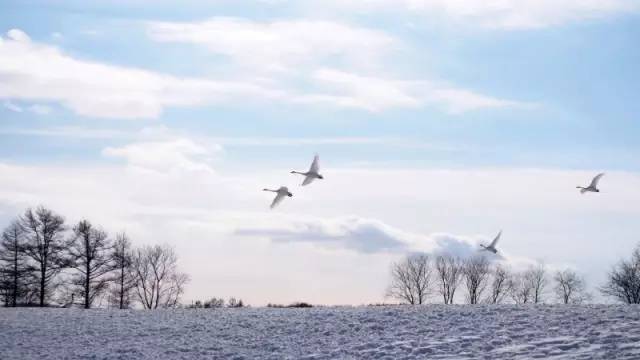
(390, 332)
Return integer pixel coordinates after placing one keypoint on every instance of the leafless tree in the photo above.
(89, 251)
(158, 282)
(214, 303)
(475, 272)
(529, 286)
(521, 290)
(536, 276)
(235, 303)
(411, 279)
(44, 244)
(123, 279)
(14, 268)
(570, 287)
(175, 289)
(623, 281)
(501, 284)
(448, 273)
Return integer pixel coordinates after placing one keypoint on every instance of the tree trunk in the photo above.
(122, 288)
(43, 271)
(86, 286)
(14, 296)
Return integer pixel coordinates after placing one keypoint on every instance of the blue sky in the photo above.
(155, 100)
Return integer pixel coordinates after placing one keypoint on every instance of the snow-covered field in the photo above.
(398, 332)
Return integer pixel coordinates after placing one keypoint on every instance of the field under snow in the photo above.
(399, 332)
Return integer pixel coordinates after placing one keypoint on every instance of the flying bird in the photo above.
(312, 174)
(492, 247)
(593, 187)
(281, 193)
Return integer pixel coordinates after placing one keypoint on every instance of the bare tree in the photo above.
(158, 282)
(44, 244)
(529, 285)
(448, 272)
(411, 279)
(14, 267)
(214, 303)
(123, 280)
(536, 276)
(570, 287)
(521, 290)
(235, 303)
(475, 272)
(89, 253)
(175, 289)
(623, 282)
(500, 285)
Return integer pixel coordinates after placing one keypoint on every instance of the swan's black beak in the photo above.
(320, 177)
(290, 195)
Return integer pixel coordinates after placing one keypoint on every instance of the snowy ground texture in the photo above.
(399, 332)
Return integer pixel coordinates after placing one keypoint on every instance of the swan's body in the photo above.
(593, 187)
(492, 247)
(281, 193)
(312, 174)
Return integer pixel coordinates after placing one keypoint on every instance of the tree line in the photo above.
(419, 278)
(44, 260)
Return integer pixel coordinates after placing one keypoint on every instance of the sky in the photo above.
(438, 123)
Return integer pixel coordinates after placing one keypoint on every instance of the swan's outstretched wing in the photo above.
(594, 182)
(308, 180)
(495, 241)
(314, 166)
(278, 199)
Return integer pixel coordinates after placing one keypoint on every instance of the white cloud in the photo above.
(460, 100)
(18, 35)
(501, 14)
(40, 109)
(72, 132)
(161, 133)
(35, 108)
(179, 154)
(34, 71)
(362, 235)
(350, 90)
(13, 107)
(321, 63)
(376, 94)
(278, 45)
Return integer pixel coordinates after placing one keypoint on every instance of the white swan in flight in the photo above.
(593, 187)
(492, 247)
(312, 174)
(281, 193)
